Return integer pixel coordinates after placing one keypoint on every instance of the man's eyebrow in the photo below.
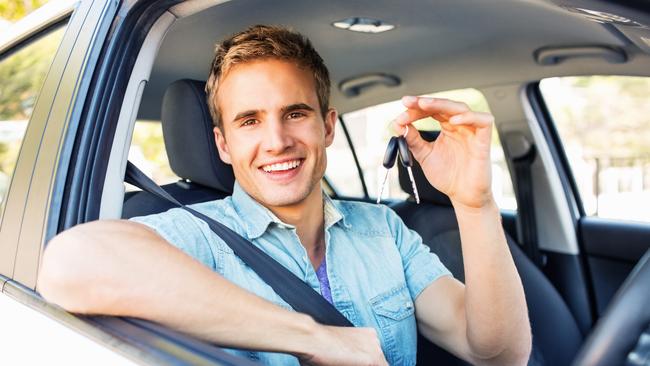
(244, 114)
(297, 106)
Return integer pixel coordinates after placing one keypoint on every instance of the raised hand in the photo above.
(458, 162)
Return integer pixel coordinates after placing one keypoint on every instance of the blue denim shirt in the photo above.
(375, 264)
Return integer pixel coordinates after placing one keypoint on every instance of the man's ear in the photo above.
(330, 123)
(222, 145)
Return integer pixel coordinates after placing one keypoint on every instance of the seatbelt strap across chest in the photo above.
(288, 286)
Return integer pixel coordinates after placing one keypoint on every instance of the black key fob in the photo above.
(391, 153)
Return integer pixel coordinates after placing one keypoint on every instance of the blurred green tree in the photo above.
(12, 10)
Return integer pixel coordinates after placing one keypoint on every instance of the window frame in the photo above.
(22, 176)
(560, 158)
(9, 52)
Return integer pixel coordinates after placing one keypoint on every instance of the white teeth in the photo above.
(281, 166)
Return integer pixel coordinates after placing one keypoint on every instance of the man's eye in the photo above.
(249, 122)
(294, 115)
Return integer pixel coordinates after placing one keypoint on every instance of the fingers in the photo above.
(420, 107)
(443, 110)
(478, 124)
(470, 118)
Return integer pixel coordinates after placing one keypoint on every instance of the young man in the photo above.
(268, 94)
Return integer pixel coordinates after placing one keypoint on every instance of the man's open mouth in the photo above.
(282, 167)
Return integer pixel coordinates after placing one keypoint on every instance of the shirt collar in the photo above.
(256, 218)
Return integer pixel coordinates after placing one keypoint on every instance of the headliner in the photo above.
(436, 45)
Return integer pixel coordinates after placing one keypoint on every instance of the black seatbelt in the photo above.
(288, 286)
(523, 153)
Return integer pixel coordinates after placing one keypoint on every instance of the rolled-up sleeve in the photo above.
(421, 267)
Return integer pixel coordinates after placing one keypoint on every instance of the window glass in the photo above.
(341, 170)
(370, 131)
(604, 125)
(22, 74)
(147, 152)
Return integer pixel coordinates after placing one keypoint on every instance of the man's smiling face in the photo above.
(273, 132)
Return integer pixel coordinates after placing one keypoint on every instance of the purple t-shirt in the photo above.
(321, 273)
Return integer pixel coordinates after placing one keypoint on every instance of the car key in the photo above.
(390, 156)
(406, 159)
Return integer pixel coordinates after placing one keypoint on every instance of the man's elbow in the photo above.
(66, 276)
(516, 353)
(512, 350)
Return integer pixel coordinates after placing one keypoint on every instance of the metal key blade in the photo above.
(406, 158)
(381, 188)
(415, 188)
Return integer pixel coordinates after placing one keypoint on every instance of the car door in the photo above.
(600, 130)
(32, 57)
(54, 65)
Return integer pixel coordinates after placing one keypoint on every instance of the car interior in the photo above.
(500, 48)
(185, 122)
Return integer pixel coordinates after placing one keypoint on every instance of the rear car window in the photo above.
(341, 171)
(22, 74)
(604, 125)
(147, 152)
(370, 131)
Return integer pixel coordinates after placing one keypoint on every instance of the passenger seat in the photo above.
(556, 336)
(193, 155)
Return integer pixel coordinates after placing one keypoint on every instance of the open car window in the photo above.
(606, 141)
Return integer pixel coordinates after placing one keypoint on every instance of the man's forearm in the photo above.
(495, 305)
(122, 268)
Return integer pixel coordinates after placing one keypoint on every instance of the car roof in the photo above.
(435, 46)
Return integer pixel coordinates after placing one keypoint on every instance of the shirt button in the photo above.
(408, 305)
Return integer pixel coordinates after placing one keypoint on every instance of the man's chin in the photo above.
(282, 196)
(282, 199)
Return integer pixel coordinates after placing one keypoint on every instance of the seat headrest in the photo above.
(189, 138)
(425, 189)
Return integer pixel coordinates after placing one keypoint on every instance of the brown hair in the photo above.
(261, 42)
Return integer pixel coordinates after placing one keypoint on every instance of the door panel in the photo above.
(608, 163)
(565, 271)
(613, 248)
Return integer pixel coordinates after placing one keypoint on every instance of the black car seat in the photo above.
(556, 336)
(193, 156)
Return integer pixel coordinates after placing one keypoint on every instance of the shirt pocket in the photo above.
(394, 311)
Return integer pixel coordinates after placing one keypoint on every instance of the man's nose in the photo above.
(277, 136)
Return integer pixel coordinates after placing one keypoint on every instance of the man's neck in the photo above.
(309, 219)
